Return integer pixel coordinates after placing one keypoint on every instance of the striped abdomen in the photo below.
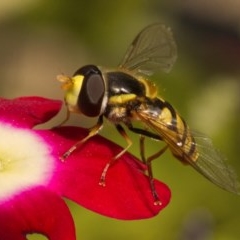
(160, 116)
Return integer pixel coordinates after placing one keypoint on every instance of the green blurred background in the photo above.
(40, 39)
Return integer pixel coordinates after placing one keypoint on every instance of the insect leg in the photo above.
(149, 160)
(65, 120)
(129, 142)
(143, 132)
(142, 148)
(92, 132)
(125, 136)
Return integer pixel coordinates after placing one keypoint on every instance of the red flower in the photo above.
(33, 178)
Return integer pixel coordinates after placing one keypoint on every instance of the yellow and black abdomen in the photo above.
(162, 118)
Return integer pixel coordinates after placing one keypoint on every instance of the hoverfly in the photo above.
(124, 95)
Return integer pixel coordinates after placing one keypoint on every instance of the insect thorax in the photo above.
(124, 92)
(122, 83)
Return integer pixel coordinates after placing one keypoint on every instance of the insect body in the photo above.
(124, 96)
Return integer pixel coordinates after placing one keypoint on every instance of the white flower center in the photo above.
(25, 161)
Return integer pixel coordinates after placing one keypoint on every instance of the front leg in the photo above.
(92, 132)
(65, 119)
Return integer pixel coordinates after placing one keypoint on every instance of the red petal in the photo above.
(28, 111)
(127, 192)
(38, 211)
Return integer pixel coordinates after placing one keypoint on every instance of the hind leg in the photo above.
(148, 162)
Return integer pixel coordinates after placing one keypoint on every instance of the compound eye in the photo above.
(87, 70)
(92, 92)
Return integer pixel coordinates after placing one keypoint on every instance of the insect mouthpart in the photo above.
(66, 81)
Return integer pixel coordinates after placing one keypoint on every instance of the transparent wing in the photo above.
(153, 49)
(210, 163)
(213, 165)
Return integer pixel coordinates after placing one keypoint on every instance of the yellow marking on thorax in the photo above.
(151, 88)
(122, 98)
